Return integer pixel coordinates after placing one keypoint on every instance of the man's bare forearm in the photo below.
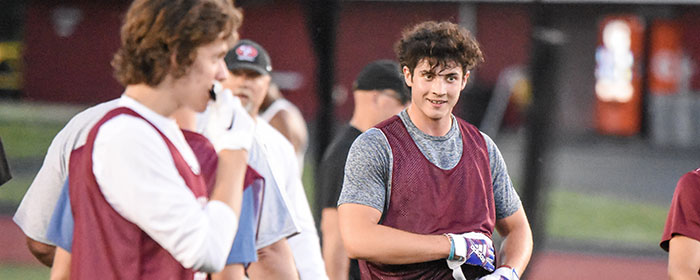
(367, 240)
(516, 248)
(274, 262)
(230, 272)
(61, 265)
(334, 255)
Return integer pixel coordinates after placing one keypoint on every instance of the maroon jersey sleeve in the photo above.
(684, 215)
(206, 156)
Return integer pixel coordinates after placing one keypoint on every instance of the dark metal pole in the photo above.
(545, 43)
(322, 18)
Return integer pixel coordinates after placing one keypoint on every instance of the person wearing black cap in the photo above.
(283, 243)
(379, 93)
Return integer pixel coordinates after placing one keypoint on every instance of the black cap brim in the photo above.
(248, 66)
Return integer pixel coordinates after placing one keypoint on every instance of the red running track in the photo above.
(571, 266)
(13, 245)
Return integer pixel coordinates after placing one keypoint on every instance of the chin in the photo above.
(438, 115)
(200, 107)
(200, 110)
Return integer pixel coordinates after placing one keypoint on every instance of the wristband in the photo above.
(452, 246)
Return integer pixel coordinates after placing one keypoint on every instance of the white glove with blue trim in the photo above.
(472, 248)
(502, 273)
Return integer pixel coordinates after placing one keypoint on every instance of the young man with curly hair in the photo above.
(424, 190)
(136, 187)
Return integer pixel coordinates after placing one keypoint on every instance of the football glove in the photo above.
(226, 123)
(502, 273)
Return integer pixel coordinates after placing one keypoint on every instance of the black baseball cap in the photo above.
(248, 55)
(380, 75)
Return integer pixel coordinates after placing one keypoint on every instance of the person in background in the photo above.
(379, 92)
(273, 156)
(287, 119)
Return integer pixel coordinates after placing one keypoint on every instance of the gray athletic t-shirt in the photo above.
(369, 166)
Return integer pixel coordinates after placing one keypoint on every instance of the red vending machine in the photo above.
(618, 75)
(666, 53)
(670, 104)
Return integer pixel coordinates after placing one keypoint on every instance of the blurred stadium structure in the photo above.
(592, 97)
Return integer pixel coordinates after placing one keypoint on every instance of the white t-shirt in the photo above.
(34, 212)
(285, 173)
(276, 219)
(282, 104)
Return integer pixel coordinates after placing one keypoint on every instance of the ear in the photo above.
(466, 78)
(407, 76)
(173, 61)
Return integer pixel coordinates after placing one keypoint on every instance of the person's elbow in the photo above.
(358, 229)
(41, 251)
(353, 242)
(354, 252)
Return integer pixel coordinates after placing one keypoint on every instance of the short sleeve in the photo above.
(37, 206)
(505, 197)
(367, 170)
(684, 213)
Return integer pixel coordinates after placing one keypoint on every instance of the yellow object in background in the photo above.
(10, 66)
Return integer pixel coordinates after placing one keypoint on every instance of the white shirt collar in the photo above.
(167, 126)
(161, 122)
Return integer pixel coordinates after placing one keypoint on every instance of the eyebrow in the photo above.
(424, 72)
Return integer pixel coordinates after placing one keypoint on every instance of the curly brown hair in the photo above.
(439, 42)
(154, 30)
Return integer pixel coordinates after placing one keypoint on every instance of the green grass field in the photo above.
(23, 272)
(24, 142)
(27, 140)
(584, 217)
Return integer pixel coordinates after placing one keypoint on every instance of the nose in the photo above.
(221, 71)
(439, 87)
